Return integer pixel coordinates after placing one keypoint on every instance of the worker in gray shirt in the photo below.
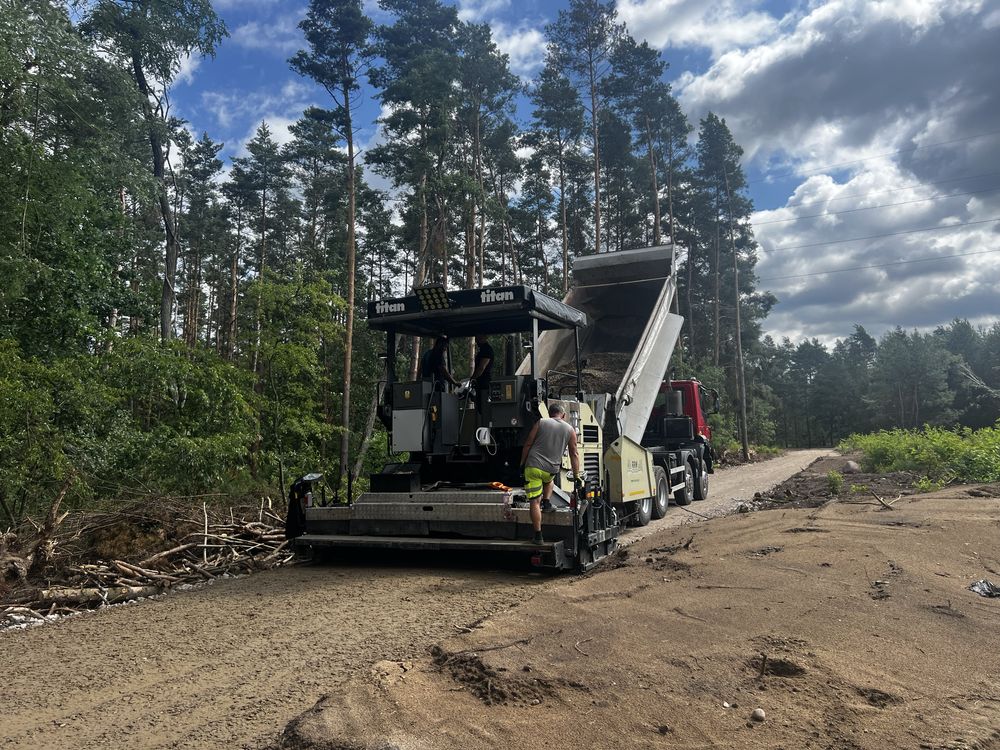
(542, 458)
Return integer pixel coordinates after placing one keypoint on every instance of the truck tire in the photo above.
(685, 494)
(643, 512)
(662, 497)
(701, 484)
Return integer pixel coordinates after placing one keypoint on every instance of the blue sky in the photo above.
(859, 119)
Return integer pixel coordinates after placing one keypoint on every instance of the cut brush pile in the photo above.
(68, 564)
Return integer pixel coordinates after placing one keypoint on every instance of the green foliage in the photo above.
(906, 379)
(144, 417)
(301, 328)
(156, 34)
(834, 482)
(964, 454)
(65, 113)
(859, 489)
(926, 484)
(767, 451)
(180, 408)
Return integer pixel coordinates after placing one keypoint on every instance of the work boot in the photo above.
(546, 506)
(538, 538)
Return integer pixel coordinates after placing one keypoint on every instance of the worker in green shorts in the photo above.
(542, 458)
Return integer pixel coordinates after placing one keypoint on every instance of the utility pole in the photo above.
(741, 386)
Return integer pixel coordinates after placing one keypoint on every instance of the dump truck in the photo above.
(453, 478)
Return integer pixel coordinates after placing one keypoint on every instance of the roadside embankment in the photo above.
(849, 625)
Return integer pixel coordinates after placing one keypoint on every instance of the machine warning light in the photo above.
(432, 297)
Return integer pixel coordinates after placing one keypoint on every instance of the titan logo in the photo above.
(381, 308)
(488, 296)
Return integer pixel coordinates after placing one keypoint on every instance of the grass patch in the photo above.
(938, 454)
(835, 481)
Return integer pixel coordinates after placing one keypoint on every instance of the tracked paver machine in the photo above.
(454, 481)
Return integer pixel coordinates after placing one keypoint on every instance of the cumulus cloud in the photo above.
(185, 72)
(852, 76)
(280, 35)
(255, 5)
(279, 106)
(524, 45)
(280, 127)
(479, 10)
(717, 26)
(818, 253)
(884, 114)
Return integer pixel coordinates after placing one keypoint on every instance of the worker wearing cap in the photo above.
(542, 459)
(433, 365)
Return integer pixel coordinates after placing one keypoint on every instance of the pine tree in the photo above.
(487, 92)
(267, 178)
(340, 52)
(530, 220)
(556, 132)
(637, 90)
(204, 227)
(150, 38)
(318, 169)
(582, 40)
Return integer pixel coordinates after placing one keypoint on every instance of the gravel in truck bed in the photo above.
(602, 373)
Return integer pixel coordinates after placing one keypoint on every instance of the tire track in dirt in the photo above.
(228, 665)
(221, 666)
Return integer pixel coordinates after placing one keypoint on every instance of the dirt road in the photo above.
(728, 487)
(849, 626)
(230, 664)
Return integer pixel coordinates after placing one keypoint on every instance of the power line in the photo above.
(879, 265)
(885, 192)
(872, 208)
(795, 172)
(879, 236)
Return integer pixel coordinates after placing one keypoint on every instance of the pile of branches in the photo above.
(38, 584)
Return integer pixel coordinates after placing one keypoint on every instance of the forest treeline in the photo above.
(178, 314)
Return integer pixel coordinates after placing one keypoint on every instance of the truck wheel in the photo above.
(662, 497)
(701, 484)
(685, 494)
(643, 512)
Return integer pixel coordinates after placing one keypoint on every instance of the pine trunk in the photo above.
(717, 334)
(345, 435)
(597, 160)
(233, 287)
(565, 230)
(655, 187)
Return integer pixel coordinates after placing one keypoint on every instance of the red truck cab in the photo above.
(695, 403)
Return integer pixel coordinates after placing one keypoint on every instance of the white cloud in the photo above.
(280, 35)
(244, 4)
(477, 10)
(850, 99)
(848, 74)
(186, 70)
(717, 26)
(878, 202)
(278, 105)
(525, 45)
(280, 127)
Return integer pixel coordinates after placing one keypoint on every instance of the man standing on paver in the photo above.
(542, 458)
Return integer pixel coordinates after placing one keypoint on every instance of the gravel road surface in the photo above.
(228, 665)
(727, 488)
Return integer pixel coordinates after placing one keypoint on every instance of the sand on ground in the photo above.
(228, 665)
(850, 626)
